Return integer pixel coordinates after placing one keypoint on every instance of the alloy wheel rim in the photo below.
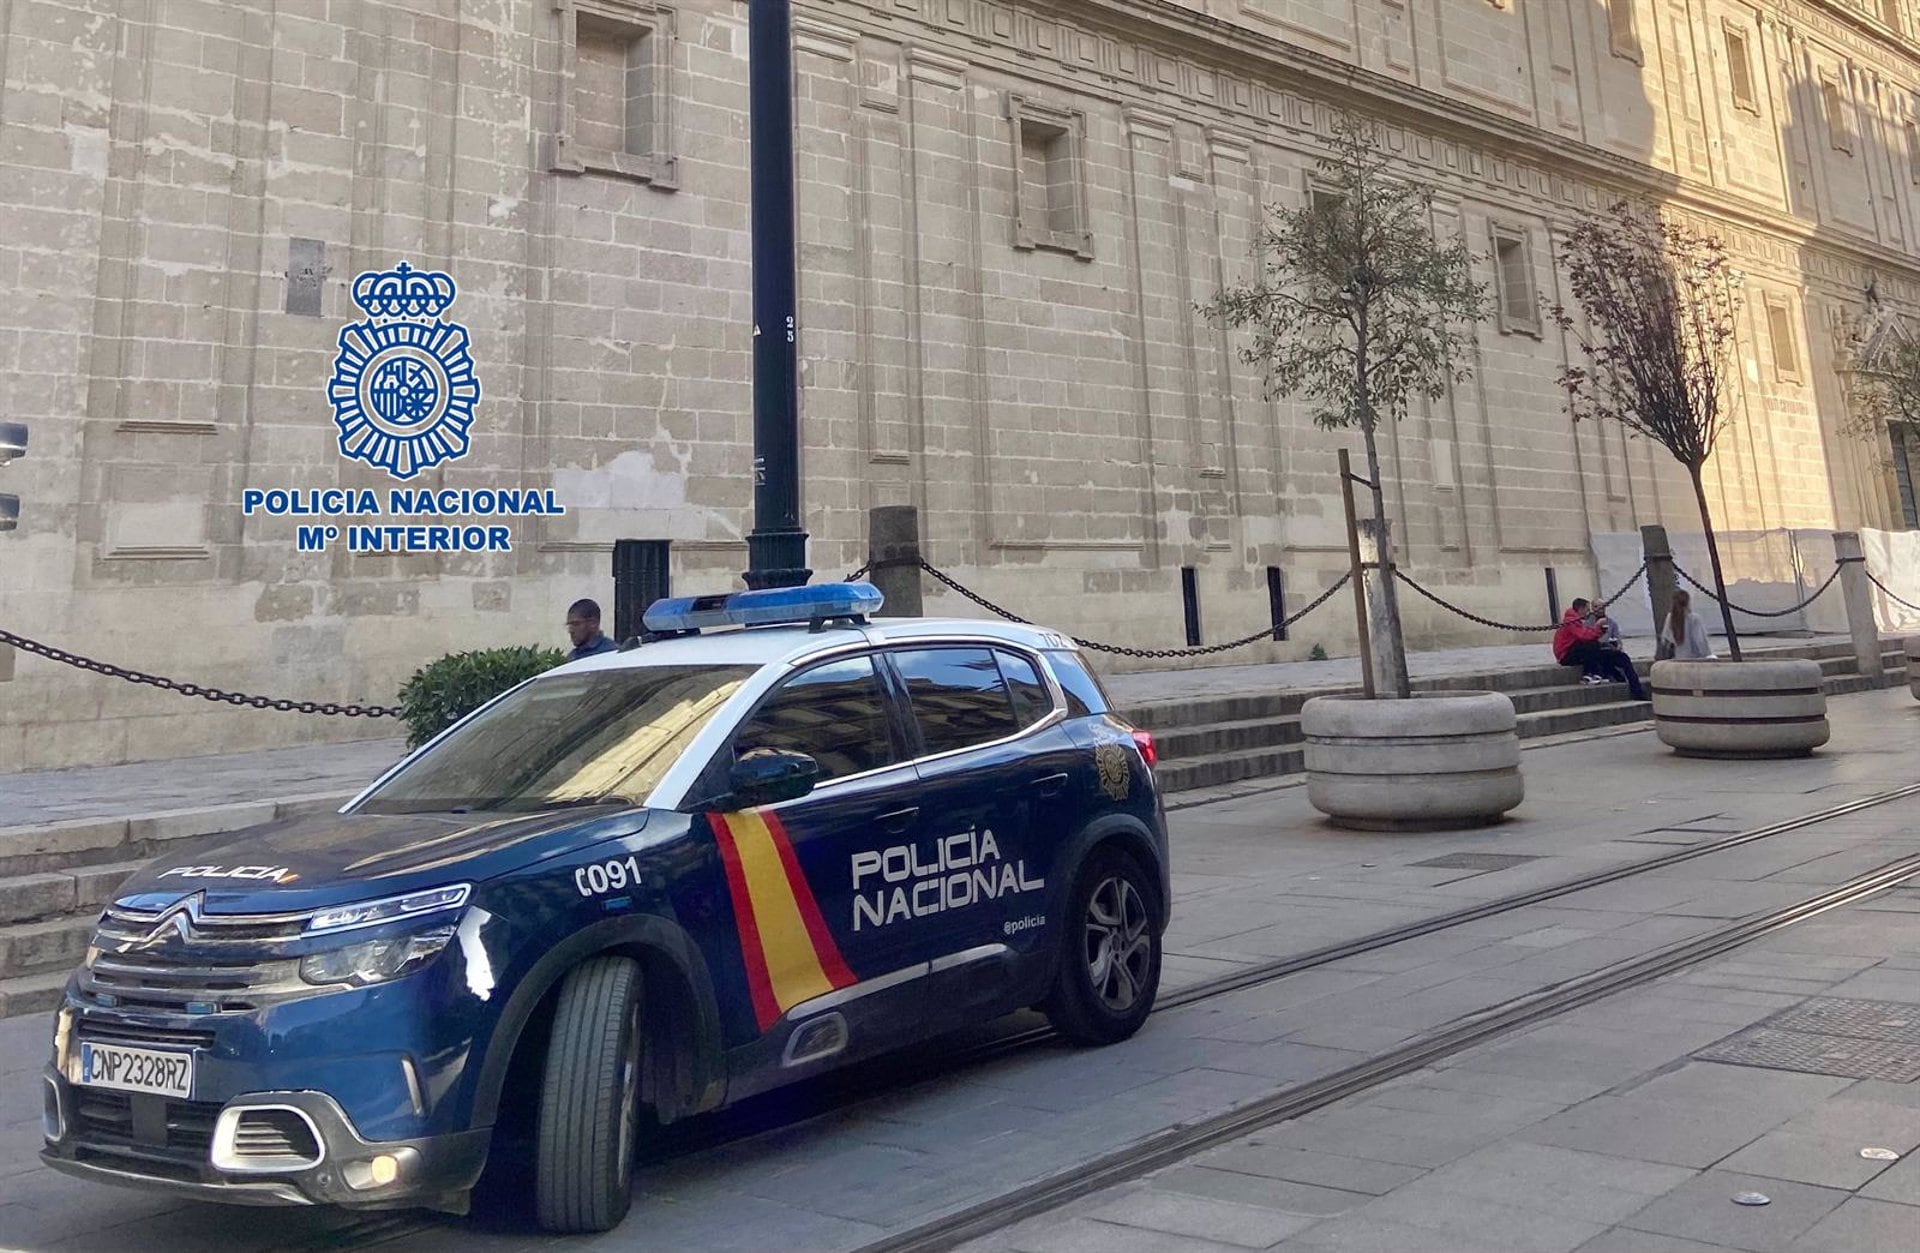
(1119, 944)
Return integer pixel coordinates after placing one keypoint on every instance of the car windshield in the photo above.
(602, 738)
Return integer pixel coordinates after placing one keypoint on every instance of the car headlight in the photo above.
(388, 909)
(376, 961)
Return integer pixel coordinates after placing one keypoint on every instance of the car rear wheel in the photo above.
(589, 1099)
(1109, 968)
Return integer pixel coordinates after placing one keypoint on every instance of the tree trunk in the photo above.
(1713, 556)
(1389, 649)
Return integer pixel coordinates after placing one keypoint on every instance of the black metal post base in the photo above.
(777, 559)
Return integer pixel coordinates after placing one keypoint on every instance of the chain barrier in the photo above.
(328, 708)
(1889, 592)
(1761, 613)
(1123, 650)
(1470, 616)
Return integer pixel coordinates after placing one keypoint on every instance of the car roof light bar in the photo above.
(816, 605)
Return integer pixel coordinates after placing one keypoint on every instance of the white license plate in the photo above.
(133, 1070)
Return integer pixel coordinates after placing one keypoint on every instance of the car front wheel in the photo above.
(589, 1099)
(1109, 968)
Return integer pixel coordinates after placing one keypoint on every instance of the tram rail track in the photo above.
(1179, 1143)
(850, 1088)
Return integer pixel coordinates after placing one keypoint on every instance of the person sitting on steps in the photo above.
(1578, 642)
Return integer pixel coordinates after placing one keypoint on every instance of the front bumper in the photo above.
(160, 1144)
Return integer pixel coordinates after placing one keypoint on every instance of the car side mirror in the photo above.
(768, 776)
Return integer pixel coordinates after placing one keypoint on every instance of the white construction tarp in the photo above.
(1765, 570)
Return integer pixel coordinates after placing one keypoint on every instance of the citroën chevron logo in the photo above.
(403, 389)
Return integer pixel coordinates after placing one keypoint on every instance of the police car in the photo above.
(637, 888)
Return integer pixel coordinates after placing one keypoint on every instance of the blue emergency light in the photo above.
(817, 604)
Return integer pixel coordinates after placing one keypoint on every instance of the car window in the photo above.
(572, 739)
(835, 713)
(1031, 700)
(957, 695)
(1085, 696)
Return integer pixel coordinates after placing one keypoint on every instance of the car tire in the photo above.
(589, 1099)
(1109, 964)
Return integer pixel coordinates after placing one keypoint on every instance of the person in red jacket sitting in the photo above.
(1578, 642)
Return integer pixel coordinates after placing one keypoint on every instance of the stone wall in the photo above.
(1007, 212)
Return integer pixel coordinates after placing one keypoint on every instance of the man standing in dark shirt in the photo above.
(583, 628)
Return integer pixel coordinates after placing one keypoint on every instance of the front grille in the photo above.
(274, 1135)
(146, 1126)
(179, 982)
(182, 960)
(136, 1036)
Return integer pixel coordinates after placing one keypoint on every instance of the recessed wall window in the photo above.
(1890, 13)
(1740, 69)
(1833, 104)
(1913, 154)
(1780, 337)
(1623, 30)
(1513, 272)
(615, 91)
(1050, 192)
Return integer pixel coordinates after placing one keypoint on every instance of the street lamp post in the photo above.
(777, 544)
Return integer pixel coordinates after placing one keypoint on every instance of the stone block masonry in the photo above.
(1008, 210)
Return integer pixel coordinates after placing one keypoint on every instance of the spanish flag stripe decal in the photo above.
(790, 955)
(823, 946)
(764, 1009)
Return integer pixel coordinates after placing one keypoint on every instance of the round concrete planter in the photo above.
(1740, 708)
(1913, 665)
(1436, 762)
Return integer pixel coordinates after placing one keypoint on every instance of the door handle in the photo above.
(1050, 785)
(899, 820)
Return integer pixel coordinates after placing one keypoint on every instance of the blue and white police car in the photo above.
(637, 888)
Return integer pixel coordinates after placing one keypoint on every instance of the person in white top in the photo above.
(1683, 637)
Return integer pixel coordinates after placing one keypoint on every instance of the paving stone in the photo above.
(1680, 1133)
(1899, 1182)
(1588, 1186)
(1204, 1218)
(1829, 1161)
(1462, 1215)
(1255, 1157)
(1879, 985)
(1859, 1224)
(1373, 1235)
(1085, 1235)
(1621, 1240)
(1279, 1194)
(1703, 1209)
(1739, 1087)
(1373, 1143)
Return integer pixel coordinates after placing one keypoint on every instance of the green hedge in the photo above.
(440, 694)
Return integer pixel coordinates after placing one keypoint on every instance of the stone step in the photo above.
(1271, 747)
(32, 994)
(52, 945)
(1179, 743)
(83, 890)
(52, 847)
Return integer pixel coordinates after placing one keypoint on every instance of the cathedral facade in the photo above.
(1009, 211)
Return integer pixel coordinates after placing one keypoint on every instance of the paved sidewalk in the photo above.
(1254, 879)
(1616, 1128)
(91, 792)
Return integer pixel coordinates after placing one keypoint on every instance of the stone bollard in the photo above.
(1859, 597)
(893, 558)
(1913, 665)
(1661, 580)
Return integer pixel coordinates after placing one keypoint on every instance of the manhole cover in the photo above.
(1476, 861)
(1849, 1057)
(1891, 1021)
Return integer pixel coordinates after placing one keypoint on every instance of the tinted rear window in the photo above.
(957, 695)
(1031, 700)
(1085, 696)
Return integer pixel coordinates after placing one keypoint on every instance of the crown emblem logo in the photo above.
(403, 389)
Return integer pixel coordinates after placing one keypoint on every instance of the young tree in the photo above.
(1659, 301)
(1356, 307)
